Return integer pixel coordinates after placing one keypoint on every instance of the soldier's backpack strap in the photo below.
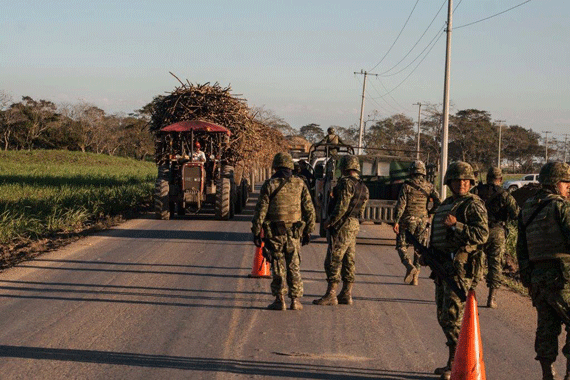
(537, 210)
(283, 183)
(361, 189)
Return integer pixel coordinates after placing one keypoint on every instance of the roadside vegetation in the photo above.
(47, 194)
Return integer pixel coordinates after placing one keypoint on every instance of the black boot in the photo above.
(330, 296)
(345, 296)
(547, 370)
(278, 304)
(445, 372)
(491, 300)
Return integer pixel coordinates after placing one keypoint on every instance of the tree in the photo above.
(521, 146)
(391, 135)
(270, 119)
(312, 133)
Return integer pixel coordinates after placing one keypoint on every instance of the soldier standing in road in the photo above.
(412, 214)
(501, 207)
(459, 225)
(285, 214)
(349, 201)
(543, 251)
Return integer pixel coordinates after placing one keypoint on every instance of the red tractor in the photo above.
(186, 184)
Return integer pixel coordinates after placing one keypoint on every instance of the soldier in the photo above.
(412, 214)
(459, 225)
(333, 139)
(285, 214)
(543, 251)
(501, 207)
(349, 201)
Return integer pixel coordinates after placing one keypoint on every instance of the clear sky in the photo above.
(296, 58)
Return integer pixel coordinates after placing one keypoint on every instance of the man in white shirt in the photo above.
(198, 155)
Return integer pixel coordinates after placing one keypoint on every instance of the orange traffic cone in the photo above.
(468, 363)
(261, 266)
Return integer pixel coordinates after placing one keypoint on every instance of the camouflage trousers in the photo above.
(417, 226)
(286, 266)
(449, 307)
(550, 293)
(339, 263)
(494, 250)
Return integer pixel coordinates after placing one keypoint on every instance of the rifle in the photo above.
(435, 259)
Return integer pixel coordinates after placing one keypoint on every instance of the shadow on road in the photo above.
(233, 366)
(157, 265)
(222, 236)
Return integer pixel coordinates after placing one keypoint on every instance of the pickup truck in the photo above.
(513, 185)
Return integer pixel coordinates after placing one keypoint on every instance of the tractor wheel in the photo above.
(233, 198)
(223, 198)
(161, 198)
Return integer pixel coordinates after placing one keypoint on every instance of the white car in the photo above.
(513, 185)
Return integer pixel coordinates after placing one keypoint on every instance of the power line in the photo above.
(399, 34)
(495, 15)
(418, 41)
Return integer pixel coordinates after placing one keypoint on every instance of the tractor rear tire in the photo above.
(223, 198)
(161, 198)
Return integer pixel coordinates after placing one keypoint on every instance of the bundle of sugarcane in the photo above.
(250, 141)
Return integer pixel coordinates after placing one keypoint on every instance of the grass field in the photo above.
(44, 193)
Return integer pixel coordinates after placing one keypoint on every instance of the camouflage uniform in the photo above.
(460, 243)
(412, 214)
(349, 196)
(543, 251)
(285, 213)
(501, 207)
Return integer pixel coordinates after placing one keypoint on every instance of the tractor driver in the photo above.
(198, 155)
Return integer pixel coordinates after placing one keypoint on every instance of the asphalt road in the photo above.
(154, 299)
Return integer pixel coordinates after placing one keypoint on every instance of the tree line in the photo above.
(473, 135)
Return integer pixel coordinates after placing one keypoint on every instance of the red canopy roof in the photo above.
(195, 125)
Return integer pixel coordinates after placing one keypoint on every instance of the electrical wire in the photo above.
(495, 15)
(399, 34)
(418, 41)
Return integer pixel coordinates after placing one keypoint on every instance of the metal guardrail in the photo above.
(379, 211)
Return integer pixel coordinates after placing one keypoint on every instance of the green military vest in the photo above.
(441, 237)
(286, 204)
(544, 237)
(417, 199)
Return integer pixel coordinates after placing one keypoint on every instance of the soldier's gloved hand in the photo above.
(306, 239)
(257, 240)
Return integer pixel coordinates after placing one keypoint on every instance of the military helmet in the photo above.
(418, 167)
(459, 170)
(283, 160)
(331, 130)
(554, 172)
(494, 173)
(349, 162)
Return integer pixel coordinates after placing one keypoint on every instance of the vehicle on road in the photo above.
(384, 175)
(513, 185)
(185, 185)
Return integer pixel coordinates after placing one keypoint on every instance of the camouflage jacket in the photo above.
(416, 193)
(345, 189)
(561, 217)
(500, 204)
(292, 199)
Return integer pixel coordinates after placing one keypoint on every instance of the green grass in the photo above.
(43, 193)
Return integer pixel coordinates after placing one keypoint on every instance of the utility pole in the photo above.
(546, 145)
(445, 126)
(500, 122)
(418, 139)
(365, 73)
